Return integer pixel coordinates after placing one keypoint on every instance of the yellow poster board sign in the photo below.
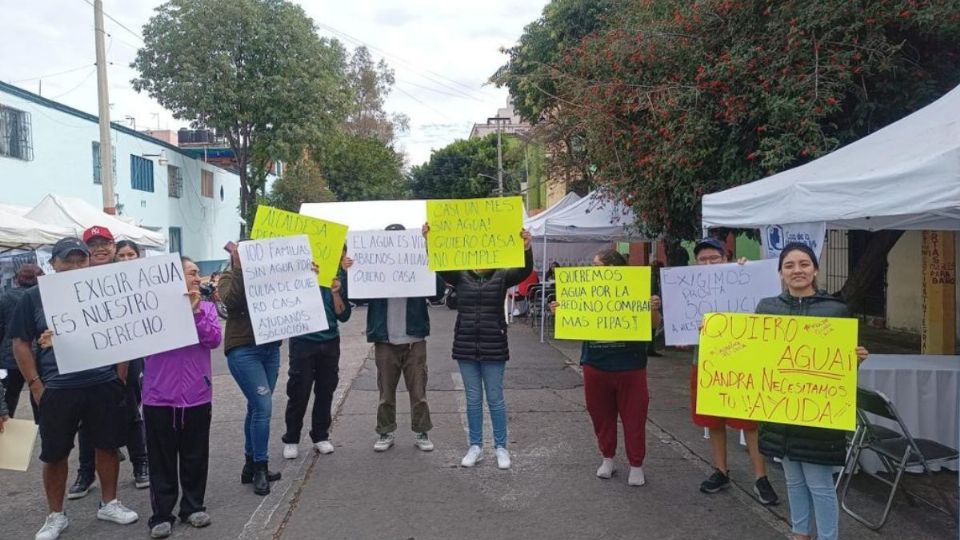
(475, 234)
(603, 303)
(785, 370)
(326, 237)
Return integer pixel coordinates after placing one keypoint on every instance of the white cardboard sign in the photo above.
(116, 312)
(283, 296)
(689, 292)
(389, 264)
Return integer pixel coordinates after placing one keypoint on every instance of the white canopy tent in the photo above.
(535, 223)
(76, 215)
(905, 176)
(17, 231)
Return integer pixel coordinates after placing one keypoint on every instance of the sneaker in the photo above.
(55, 524)
(474, 456)
(715, 483)
(161, 530)
(81, 487)
(423, 442)
(199, 520)
(116, 512)
(323, 447)
(141, 476)
(636, 478)
(606, 469)
(764, 492)
(503, 458)
(291, 451)
(384, 442)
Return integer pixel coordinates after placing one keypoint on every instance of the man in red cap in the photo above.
(102, 246)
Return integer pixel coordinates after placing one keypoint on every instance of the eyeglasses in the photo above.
(99, 244)
(710, 259)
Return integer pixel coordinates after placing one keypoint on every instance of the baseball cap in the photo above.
(66, 246)
(97, 232)
(709, 243)
(395, 227)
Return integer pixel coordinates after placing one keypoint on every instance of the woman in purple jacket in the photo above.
(177, 391)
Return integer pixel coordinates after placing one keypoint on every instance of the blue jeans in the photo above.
(810, 487)
(255, 368)
(480, 377)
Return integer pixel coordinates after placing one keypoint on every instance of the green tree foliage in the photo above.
(362, 168)
(302, 182)
(254, 70)
(454, 171)
(370, 84)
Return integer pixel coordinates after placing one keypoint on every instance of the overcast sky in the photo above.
(443, 52)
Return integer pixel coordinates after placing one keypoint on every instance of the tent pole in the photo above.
(543, 290)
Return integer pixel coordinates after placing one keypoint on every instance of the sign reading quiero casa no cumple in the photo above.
(475, 234)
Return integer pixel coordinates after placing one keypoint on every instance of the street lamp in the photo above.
(499, 120)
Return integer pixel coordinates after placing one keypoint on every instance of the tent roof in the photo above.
(19, 231)
(590, 218)
(370, 215)
(904, 176)
(77, 215)
(535, 223)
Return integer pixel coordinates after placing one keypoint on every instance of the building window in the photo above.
(206, 184)
(141, 173)
(95, 147)
(16, 139)
(174, 182)
(176, 244)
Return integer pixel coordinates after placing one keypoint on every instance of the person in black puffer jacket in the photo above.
(480, 347)
(809, 454)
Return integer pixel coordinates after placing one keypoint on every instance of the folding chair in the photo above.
(896, 450)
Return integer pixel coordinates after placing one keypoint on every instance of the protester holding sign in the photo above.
(93, 397)
(398, 328)
(615, 385)
(177, 396)
(809, 454)
(255, 368)
(481, 349)
(25, 278)
(711, 251)
(315, 365)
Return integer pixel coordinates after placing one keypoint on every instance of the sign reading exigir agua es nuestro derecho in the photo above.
(389, 264)
(283, 295)
(472, 234)
(603, 303)
(780, 369)
(116, 312)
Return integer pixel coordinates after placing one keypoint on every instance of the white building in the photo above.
(47, 147)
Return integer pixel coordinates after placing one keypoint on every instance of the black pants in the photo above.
(316, 365)
(179, 444)
(135, 436)
(13, 384)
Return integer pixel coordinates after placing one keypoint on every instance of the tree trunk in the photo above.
(868, 268)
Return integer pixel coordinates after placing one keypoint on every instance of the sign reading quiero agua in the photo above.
(475, 234)
(326, 238)
(283, 296)
(603, 303)
(786, 370)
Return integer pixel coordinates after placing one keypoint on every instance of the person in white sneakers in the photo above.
(94, 397)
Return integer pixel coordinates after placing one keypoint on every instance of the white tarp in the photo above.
(78, 215)
(370, 215)
(592, 218)
(19, 231)
(904, 176)
(534, 224)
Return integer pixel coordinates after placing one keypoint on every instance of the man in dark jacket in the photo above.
(398, 328)
(25, 278)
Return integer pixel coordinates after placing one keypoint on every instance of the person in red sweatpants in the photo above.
(615, 385)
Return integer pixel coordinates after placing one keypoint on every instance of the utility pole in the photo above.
(103, 106)
(499, 121)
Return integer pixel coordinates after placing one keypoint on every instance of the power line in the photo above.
(57, 74)
(118, 23)
(78, 85)
(411, 96)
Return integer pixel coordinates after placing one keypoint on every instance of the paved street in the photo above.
(550, 492)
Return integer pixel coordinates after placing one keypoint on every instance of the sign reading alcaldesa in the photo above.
(283, 296)
(117, 312)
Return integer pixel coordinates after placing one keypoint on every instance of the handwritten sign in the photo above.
(389, 264)
(603, 303)
(691, 291)
(283, 295)
(786, 370)
(116, 312)
(326, 237)
(473, 234)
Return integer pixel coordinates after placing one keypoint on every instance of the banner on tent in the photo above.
(112, 313)
(475, 233)
(283, 296)
(780, 369)
(326, 237)
(603, 303)
(775, 237)
(564, 253)
(389, 264)
(689, 292)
